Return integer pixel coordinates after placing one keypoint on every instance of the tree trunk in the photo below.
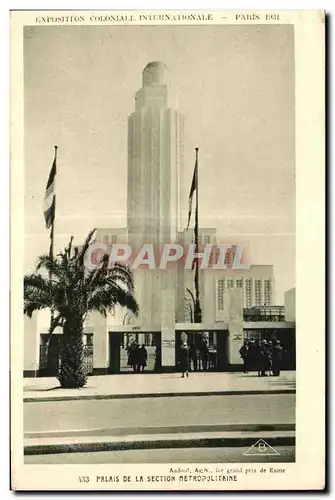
(71, 371)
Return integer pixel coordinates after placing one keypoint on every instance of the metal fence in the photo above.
(44, 359)
(88, 359)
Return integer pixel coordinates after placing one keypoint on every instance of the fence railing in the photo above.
(88, 358)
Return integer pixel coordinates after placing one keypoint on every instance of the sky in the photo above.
(235, 88)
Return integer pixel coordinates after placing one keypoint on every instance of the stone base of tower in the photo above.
(168, 334)
(234, 301)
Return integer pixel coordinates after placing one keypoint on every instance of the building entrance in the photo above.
(208, 351)
(286, 338)
(134, 352)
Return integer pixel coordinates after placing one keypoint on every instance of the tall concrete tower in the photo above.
(155, 132)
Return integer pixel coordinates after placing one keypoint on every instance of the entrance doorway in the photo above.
(208, 350)
(134, 352)
(286, 338)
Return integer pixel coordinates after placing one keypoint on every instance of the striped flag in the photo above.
(50, 197)
(193, 188)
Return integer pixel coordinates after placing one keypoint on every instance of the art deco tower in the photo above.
(155, 131)
(154, 160)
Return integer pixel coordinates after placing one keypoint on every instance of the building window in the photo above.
(106, 240)
(239, 283)
(113, 239)
(88, 339)
(258, 292)
(207, 239)
(267, 292)
(230, 284)
(221, 289)
(248, 293)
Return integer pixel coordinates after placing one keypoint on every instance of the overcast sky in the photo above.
(235, 87)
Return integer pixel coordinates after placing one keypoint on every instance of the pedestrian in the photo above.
(265, 359)
(130, 354)
(204, 354)
(257, 357)
(193, 357)
(184, 359)
(142, 358)
(244, 353)
(134, 356)
(277, 357)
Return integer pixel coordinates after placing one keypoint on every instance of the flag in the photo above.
(196, 260)
(193, 188)
(50, 197)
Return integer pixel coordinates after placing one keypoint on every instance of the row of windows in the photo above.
(247, 282)
(248, 289)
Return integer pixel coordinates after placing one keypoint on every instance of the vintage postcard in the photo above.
(167, 217)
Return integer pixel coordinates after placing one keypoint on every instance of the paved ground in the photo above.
(189, 455)
(146, 385)
(190, 411)
(109, 425)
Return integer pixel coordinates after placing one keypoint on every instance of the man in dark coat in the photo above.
(142, 358)
(244, 353)
(277, 357)
(204, 354)
(133, 355)
(265, 358)
(184, 359)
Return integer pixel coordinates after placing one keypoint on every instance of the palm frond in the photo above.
(36, 281)
(69, 248)
(45, 261)
(123, 273)
(84, 248)
(73, 290)
(55, 322)
(106, 297)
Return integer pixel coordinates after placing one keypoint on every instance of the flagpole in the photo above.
(197, 312)
(51, 250)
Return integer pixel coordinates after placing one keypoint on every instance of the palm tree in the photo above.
(72, 291)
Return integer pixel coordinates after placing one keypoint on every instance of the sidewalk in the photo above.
(89, 444)
(160, 385)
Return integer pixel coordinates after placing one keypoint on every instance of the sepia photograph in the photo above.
(160, 247)
(127, 167)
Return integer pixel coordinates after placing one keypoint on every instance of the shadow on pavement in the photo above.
(41, 389)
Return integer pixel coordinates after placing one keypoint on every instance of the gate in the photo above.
(126, 355)
(216, 358)
(88, 359)
(49, 361)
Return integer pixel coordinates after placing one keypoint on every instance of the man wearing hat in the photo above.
(277, 356)
(184, 359)
(265, 358)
